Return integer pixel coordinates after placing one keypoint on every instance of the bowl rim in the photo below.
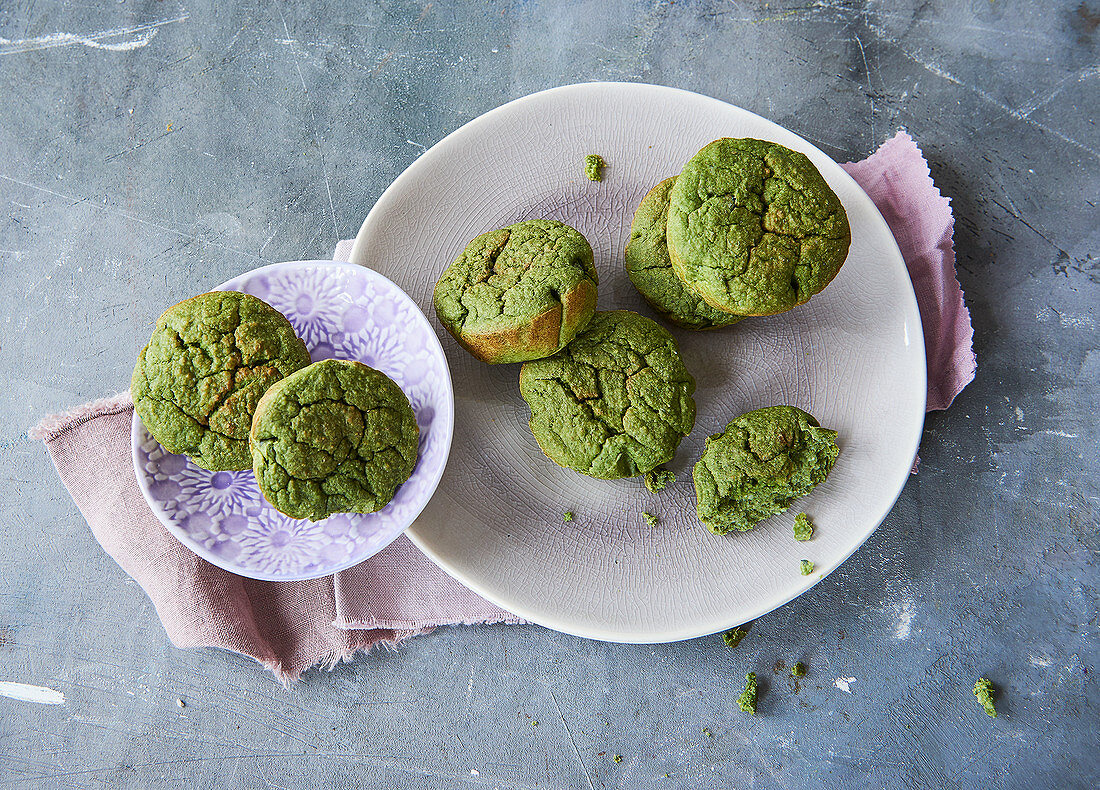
(138, 431)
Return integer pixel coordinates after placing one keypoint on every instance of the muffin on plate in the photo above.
(519, 293)
(753, 228)
(650, 269)
(616, 402)
(761, 463)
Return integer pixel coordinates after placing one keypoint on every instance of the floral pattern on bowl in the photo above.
(341, 311)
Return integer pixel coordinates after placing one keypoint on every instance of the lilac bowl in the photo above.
(341, 311)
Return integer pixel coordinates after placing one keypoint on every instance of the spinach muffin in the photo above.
(753, 228)
(650, 268)
(519, 293)
(335, 437)
(761, 463)
(616, 402)
(210, 359)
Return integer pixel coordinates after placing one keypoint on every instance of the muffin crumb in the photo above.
(733, 637)
(803, 527)
(747, 701)
(593, 167)
(656, 479)
(983, 690)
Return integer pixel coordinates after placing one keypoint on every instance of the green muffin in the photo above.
(753, 228)
(210, 359)
(519, 293)
(650, 268)
(761, 463)
(335, 437)
(616, 402)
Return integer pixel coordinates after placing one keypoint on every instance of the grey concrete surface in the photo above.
(151, 149)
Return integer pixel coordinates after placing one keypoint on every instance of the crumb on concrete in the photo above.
(983, 690)
(733, 637)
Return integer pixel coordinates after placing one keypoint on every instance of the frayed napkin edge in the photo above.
(402, 625)
(344, 655)
(964, 360)
(53, 425)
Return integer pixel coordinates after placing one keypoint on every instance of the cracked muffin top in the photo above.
(210, 359)
(650, 268)
(616, 402)
(753, 228)
(334, 437)
(519, 293)
(761, 463)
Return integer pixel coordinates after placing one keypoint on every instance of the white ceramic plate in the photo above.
(853, 357)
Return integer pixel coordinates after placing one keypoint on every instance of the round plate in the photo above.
(853, 357)
(341, 311)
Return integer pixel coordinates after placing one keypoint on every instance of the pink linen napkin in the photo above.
(897, 178)
(286, 626)
(291, 626)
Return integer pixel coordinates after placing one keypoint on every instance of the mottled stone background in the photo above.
(150, 150)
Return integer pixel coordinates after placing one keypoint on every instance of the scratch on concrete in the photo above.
(143, 143)
(1030, 227)
(328, 189)
(128, 38)
(576, 751)
(128, 215)
(28, 693)
(295, 48)
(1070, 79)
(1019, 115)
(324, 165)
(870, 90)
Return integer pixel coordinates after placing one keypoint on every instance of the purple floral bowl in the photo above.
(341, 311)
